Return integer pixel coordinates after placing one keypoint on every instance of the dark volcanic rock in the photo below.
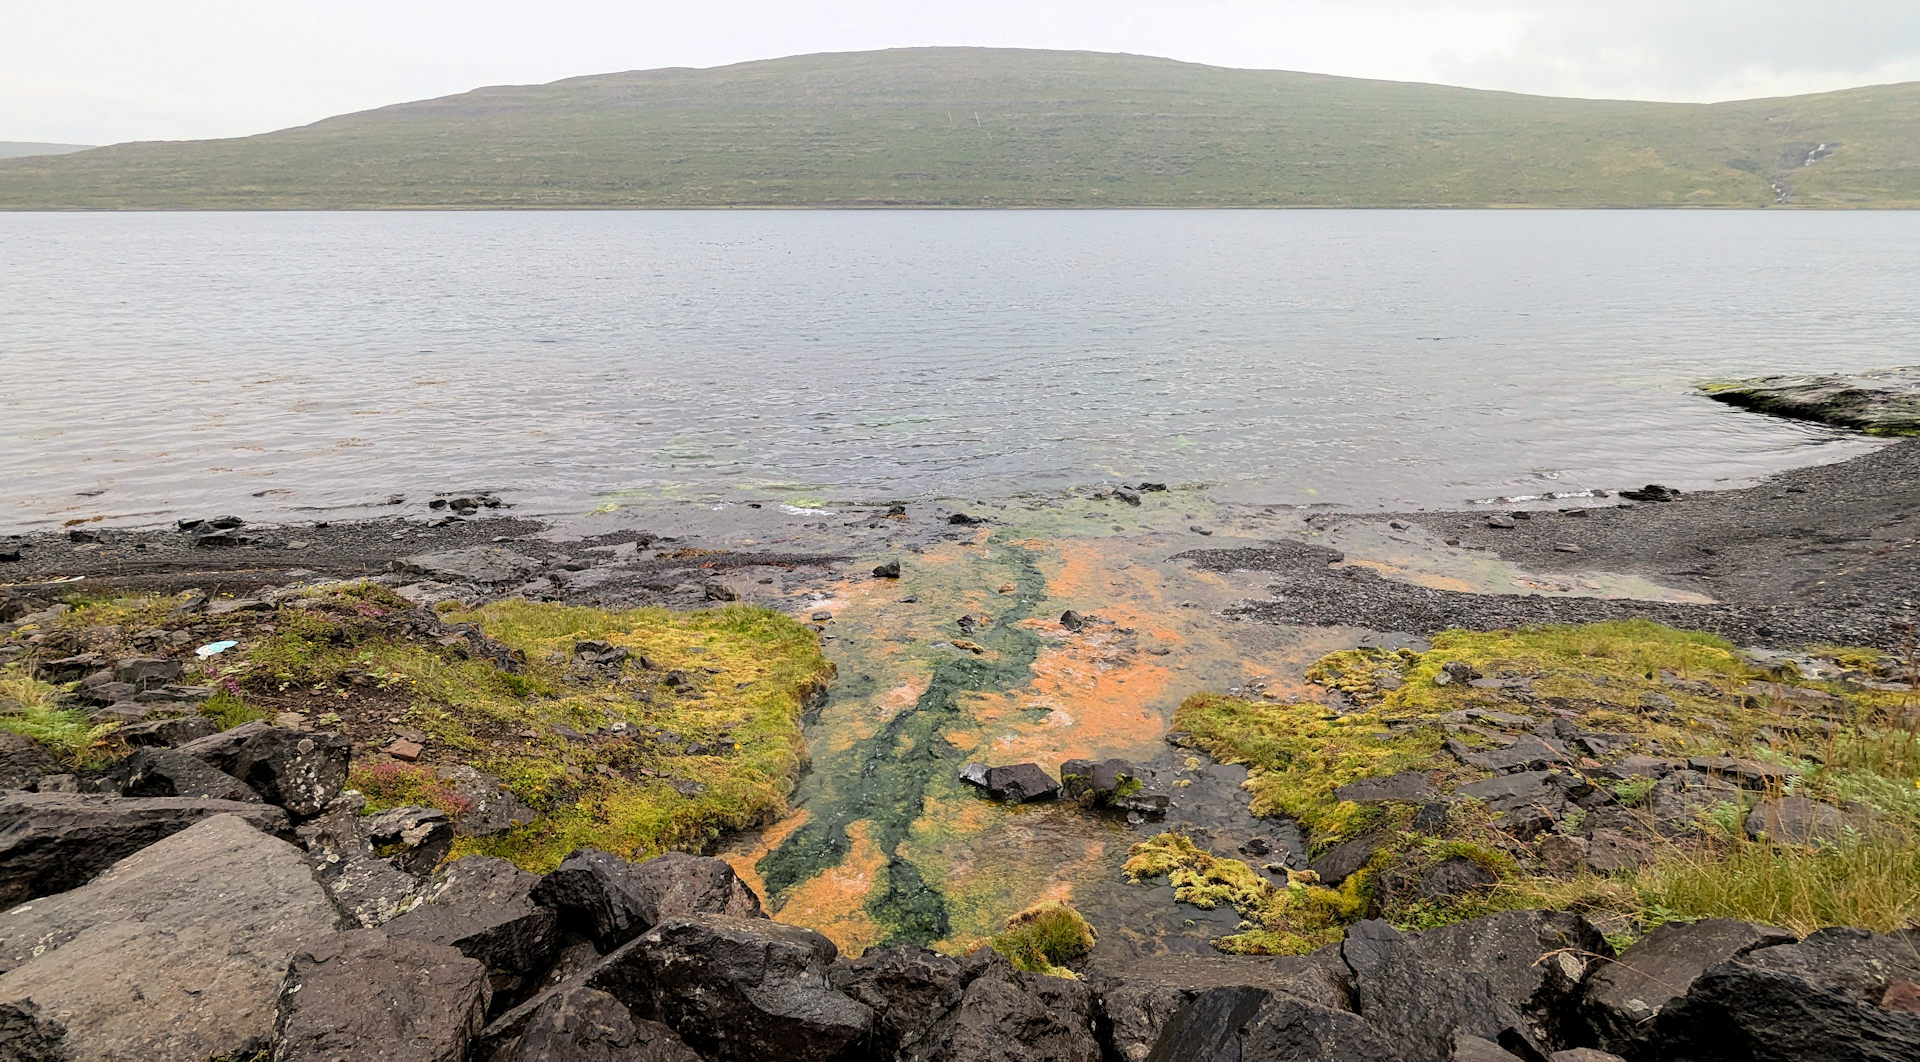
(25, 1035)
(1347, 858)
(1884, 401)
(177, 730)
(737, 989)
(1018, 783)
(1795, 820)
(369, 997)
(51, 842)
(908, 989)
(597, 894)
(584, 1025)
(1623, 996)
(146, 672)
(162, 772)
(482, 906)
(1008, 1016)
(1819, 999)
(416, 838)
(1534, 962)
(683, 884)
(1419, 1004)
(294, 769)
(176, 952)
(23, 761)
(1136, 1008)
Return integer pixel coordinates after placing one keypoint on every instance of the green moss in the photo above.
(1298, 754)
(67, 734)
(1046, 938)
(230, 710)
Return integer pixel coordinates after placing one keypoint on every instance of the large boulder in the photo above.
(1008, 1016)
(369, 997)
(482, 906)
(1017, 783)
(1534, 961)
(737, 989)
(1820, 1000)
(167, 732)
(295, 769)
(1136, 1008)
(1293, 1030)
(177, 951)
(52, 842)
(1622, 997)
(576, 1024)
(908, 989)
(598, 895)
(160, 772)
(1417, 1004)
(374, 886)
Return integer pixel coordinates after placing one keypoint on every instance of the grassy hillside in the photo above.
(15, 149)
(980, 127)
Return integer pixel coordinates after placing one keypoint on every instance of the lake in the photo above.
(288, 365)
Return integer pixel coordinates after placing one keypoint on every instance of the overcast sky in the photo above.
(99, 71)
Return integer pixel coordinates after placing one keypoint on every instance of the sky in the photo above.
(103, 71)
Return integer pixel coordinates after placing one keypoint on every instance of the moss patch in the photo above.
(1046, 938)
(66, 733)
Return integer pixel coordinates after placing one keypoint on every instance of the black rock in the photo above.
(597, 894)
(737, 989)
(721, 592)
(1072, 620)
(963, 520)
(908, 989)
(683, 884)
(1151, 488)
(145, 673)
(1127, 496)
(220, 539)
(1652, 492)
(1623, 997)
(1347, 858)
(576, 1024)
(1417, 1004)
(297, 770)
(1018, 783)
(483, 907)
(174, 730)
(366, 996)
(1819, 999)
(887, 570)
(52, 842)
(1008, 1016)
(23, 761)
(163, 772)
(415, 839)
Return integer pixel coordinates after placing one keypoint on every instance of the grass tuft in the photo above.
(1046, 938)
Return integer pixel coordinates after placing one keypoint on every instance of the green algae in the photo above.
(883, 779)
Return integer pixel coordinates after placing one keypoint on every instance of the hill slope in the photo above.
(989, 127)
(18, 149)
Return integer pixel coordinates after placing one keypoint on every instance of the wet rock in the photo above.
(1795, 820)
(1419, 1005)
(1347, 858)
(297, 770)
(161, 772)
(1008, 1016)
(176, 952)
(1019, 783)
(963, 520)
(908, 989)
(1818, 999)
(578, 1024)
(484, 908)
(52, 842)
(1885, 401)
(1073, 621)
(167, 733)
(597, 894)
(1112, 783)
(371, 997)
(737, 989)
(217, 539)
(1533, 962)
(1623, 997)
(1407, 787)
(23, 761)
(683, 884)
(1511, 793)
(480, 565)
(1652, 492)
(887, 570)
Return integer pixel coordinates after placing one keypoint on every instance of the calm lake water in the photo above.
(284, 365)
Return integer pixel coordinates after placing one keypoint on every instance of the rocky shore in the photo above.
(289, 852)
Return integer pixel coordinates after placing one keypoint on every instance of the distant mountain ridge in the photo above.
(17, 149)
(976, 127)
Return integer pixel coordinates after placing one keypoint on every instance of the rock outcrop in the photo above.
(52, 842)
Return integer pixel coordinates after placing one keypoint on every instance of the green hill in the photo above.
(17, 149)
(990, 127)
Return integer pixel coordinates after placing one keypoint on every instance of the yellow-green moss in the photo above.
(65, 733)
(1046, 938)
(1298, 754)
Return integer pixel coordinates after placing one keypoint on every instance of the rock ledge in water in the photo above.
(1881, 402)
